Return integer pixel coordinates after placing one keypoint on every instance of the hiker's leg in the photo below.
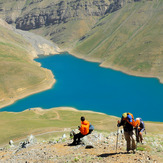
(137, 134)
(75, 138)
(127, 138)
(79, 136)
(141, 137)
(90, 131)
(132, 136)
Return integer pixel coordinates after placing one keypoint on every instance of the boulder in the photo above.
(11, 143)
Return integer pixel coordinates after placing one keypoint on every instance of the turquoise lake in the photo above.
(86, 86)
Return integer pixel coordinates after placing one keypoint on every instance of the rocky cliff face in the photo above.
(62, 21)
(32, 14)
(61, 12)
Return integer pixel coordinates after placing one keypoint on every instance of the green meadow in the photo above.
(19, 125)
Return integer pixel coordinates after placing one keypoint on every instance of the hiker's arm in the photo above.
(120, 123)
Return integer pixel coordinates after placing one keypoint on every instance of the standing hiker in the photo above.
(84, 130)
(128, 123)
(139, 129)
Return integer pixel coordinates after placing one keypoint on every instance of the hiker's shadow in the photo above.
(110, 154)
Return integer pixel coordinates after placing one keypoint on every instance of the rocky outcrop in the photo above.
(116, 5)
(99, 147)
(36, 13)
(61, 12)
(40, 44)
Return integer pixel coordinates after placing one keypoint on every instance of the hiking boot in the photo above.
(134, 151)
(72, 144)
(78, 142)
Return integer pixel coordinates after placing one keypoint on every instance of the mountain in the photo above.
(121, 34)
(61, 21)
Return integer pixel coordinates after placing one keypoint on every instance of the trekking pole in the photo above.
(117, 138)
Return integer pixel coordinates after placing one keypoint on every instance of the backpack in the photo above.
(139, 121)
(91, 127)
(130, 119)
(130, 116)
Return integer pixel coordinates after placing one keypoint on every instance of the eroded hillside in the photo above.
(19, 74)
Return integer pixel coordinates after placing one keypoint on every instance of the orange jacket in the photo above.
(84, 129)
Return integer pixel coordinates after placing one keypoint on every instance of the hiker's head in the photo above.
(82, 118)
(137, 119)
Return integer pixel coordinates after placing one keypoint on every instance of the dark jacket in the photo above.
(126, 126)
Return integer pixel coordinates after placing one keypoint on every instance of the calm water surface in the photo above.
(86, 86)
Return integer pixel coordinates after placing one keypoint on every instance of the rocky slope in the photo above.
(96, 147)
(40, 45)
(52, 128)
(57, 18)
(37, 13)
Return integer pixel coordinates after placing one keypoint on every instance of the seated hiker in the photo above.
(139, 129)
(84, 130)
(127, 121)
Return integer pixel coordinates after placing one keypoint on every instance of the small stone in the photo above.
(148, 158)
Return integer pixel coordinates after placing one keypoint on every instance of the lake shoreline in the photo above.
(117, 68)
(46, 84)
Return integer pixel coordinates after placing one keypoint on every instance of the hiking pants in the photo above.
(130, 139)
(139, 136)
(77, 137)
